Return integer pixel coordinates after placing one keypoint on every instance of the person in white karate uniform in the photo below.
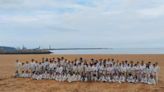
(22, 68)
(51, 66)
(78, 77)
(60, 77)
(47, 76)
(151, 80)
(115, 78)
(64, 78)
(28, 74)
(83, 76)
(43, 65)
(39, 67)
(57, 77)
(34, 76)
(44, 75)
(94, 77)
(122, 78)
(136, 79)
(26, 66)
(109, 77)
(51, 76)
(39, 77)
(130, 78)
(144, 79)
(157, 70)
(68, 77)
(54, 66)
(72, 78)
(36, 66)
(25, 74)
(128, 71)
(21, 74)
(101, 68)
(110, 69)
(18, 65)
(74, 68)
(32, 65)
(123, 68)
(54, 76)
(60, 69)
(17, 74)
(102, 78)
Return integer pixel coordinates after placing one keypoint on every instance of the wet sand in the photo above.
(10, 84)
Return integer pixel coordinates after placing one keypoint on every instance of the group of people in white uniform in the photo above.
(93, 70)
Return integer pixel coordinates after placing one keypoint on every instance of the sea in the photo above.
(112, 51)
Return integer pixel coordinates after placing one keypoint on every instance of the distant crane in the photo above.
(49, 46)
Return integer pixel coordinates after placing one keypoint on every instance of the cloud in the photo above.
(106, 23)
(152, 12)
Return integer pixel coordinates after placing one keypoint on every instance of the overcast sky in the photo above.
(82, 23)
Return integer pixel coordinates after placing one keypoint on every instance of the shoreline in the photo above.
(84, 54)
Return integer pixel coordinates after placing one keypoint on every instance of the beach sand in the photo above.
(10, 84)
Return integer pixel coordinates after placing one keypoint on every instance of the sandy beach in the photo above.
(10, 84)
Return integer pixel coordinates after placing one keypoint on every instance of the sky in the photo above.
(82, 23)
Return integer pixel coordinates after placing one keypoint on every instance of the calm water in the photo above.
(111, 51)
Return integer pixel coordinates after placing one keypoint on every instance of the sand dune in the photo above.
(10, 84)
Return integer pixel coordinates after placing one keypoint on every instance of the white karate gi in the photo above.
(34, 76)
(121, 79)
(103, 79)
(109, 79)
(115, 78)
(64, 78)
(151, 81)
(144, 80)
(130, 79)
(39, 77)
(18, 66)
(157, 69)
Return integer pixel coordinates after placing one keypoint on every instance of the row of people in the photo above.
(73, 77)
(92, 68)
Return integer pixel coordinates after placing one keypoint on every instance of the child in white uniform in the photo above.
(57, 78)
(17, 75)
(94, 77)
(78, 77)
(44, 75)
(26, 74)
(48, 75)
(60, 77)
(144, 79)
(102, 78)
(54, 76)
(122, 78)
(115, 78)
(108, 77)
(34, 76)
(60, 69)
(32, 66)
(110, 69)
(22, 74)
(26, 66)
(39, 77)
(151, 80)
(130, 79)
(64, 77)
(69, 77)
